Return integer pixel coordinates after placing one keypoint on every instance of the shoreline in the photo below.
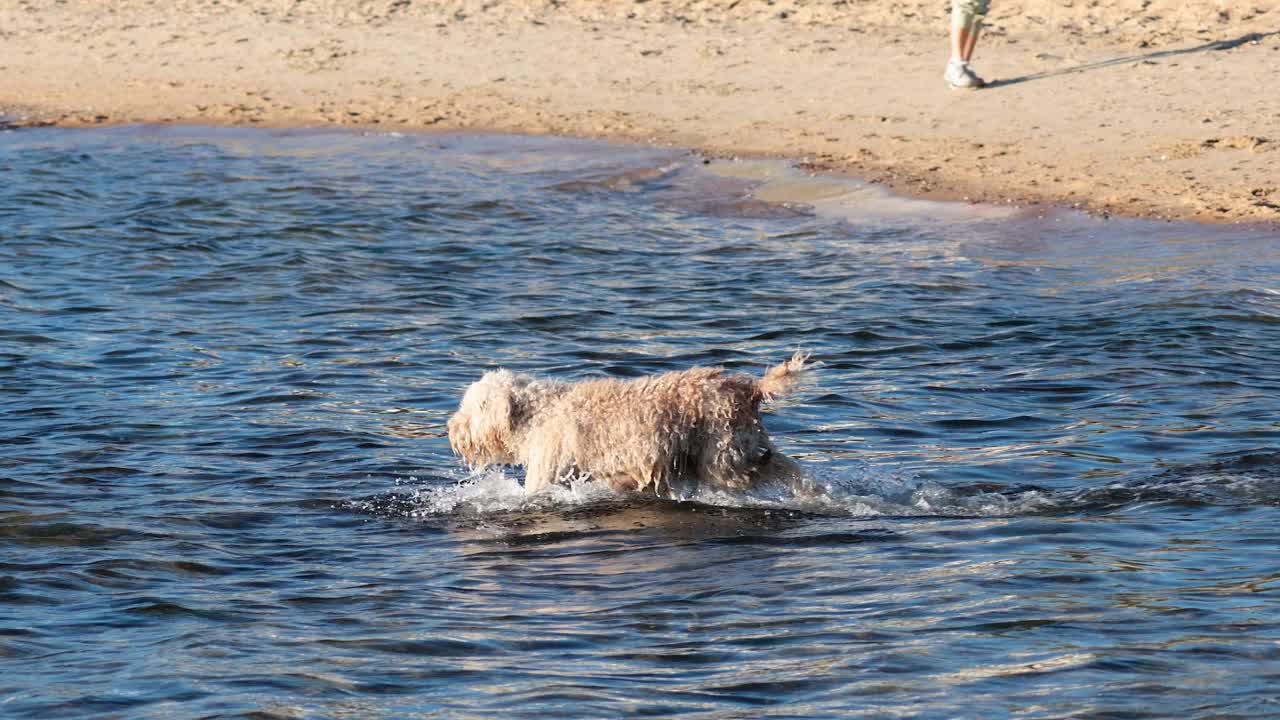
(1170, 120)
(896, 181)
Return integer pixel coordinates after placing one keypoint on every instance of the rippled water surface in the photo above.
(1044, 452)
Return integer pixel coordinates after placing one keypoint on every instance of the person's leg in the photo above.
(960, 23)
(971, 35)
(966, 20)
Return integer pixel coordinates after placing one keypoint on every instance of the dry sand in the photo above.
(1137, 107)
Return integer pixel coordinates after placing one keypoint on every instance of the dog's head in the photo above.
(747, 461)
(757, 458)
(484, 429)
(737, 452)
(753, 459)
(776, 468)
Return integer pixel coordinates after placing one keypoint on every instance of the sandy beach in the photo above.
(1144, 108)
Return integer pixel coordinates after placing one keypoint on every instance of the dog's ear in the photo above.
(482, 431)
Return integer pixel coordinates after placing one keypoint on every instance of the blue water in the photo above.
(1043, 449)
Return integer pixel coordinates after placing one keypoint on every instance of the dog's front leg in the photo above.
(546, 467)
(539, 472)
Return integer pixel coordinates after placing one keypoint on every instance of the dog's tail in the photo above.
(780, 378)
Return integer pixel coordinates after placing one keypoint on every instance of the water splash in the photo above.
(864, 491)
(869, 491)
(484, 492)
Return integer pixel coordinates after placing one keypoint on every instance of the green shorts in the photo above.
(970, 8)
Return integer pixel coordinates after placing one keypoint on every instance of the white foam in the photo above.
(494, 490)
(867, 491)
(863, 491)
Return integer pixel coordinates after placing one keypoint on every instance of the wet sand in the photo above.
(1136, 107)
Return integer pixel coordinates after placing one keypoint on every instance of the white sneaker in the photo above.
(960, 77)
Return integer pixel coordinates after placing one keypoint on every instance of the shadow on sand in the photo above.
(1207, 47)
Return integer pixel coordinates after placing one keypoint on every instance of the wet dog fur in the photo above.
(655, 434)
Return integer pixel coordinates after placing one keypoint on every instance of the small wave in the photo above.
(1250, 479)
(632, 180)
(861, 491)
(486, 492)
(866, 492)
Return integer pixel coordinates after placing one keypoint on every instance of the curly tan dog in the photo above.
(656, 433)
